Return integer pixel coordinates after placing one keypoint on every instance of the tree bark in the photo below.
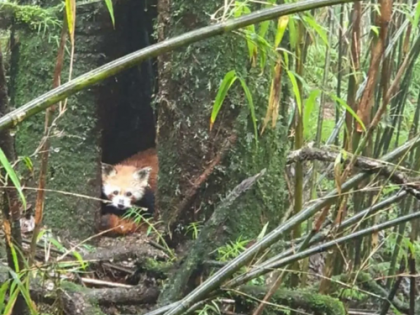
(188, 83)
(74, 143)
(197, 166)
(10, 203)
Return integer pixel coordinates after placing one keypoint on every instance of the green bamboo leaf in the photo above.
(251, 108)
(318, 28)
(237, 11)
(110, 10)
(295, 90)
(375, 29)
(227, 82)
(292, 32)
(349, 109)
(12, 301)
(281, 28)
(266, 24)
(79, 258)
(70, 15)
(28, 162)
(262, 30)
(57, 244)
(309, 106)
(250, 34)
(11, 173)
(416, 16)
(263, 232)
(24, 290)
(4, 287)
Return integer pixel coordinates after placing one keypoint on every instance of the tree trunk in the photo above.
(199, 167)
(109, 122)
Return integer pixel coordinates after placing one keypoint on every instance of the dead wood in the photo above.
(132, 296)
(394, 173)
(122, 253)
(82, 301)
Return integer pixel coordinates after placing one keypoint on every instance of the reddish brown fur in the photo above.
(143, 159)
(121, 226)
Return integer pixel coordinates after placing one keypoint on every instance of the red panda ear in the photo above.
(108, 170)
(142, 174)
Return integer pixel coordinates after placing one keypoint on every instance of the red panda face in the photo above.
(124, 185)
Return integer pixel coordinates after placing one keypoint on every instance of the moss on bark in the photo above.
(75, 153)
(189, 79)
(309, 301)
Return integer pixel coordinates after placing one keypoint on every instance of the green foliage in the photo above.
(12, 175)
(37, 18)
(226, 84)
(194, 229)
(210, 308)
(110, 8)
(135, 214)
(231, 250)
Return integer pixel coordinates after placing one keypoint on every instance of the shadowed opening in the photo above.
(127, 117)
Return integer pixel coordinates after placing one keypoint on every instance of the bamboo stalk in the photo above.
(224, 273)
(287, 260)
(110, 69)
(256, 272)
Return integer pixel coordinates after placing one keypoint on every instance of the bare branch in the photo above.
(394, 173)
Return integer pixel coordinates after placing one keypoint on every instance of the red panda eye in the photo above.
(128, 194)
(115, 192)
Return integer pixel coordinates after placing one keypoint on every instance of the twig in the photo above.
(105, 283)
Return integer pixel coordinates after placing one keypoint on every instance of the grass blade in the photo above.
(282, 24)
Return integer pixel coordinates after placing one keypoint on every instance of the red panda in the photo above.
(131, 182)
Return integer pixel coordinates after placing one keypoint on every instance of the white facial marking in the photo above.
(138, 194)
(121, 202)
(109, 189)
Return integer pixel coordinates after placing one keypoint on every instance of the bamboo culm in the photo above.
(110, 69)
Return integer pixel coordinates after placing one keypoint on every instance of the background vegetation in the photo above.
(289, 154)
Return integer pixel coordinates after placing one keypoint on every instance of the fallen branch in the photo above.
(82, 301)
(310, 301)
(367, 165)
(122, 253)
